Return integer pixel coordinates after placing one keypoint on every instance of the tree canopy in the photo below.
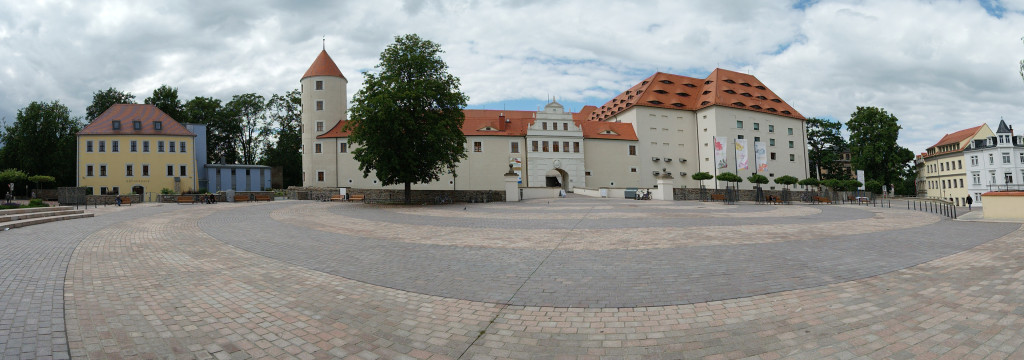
(729, 177)
(285, 115)
(825, 147)
(407, 119)
(249, 118)
(757, 179)
(786, 180)
(104, 99)
(873, 147)
(42, 141)
(166, 99)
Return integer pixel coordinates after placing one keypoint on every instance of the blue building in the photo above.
(222, 177)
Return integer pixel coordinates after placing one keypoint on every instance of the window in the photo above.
(773, 156)
(478, 146)
(514, 147)
(116, 124)
(544, 146)
(88, 146)
(575, 146)
(319, 85)
(1022, 158)
(544, 125)
(182, 171)
(1006, 155)
(320, 176)
(791, 144)
(739, 124)
(158, 125)
(632, 169)
(771, 128)
(565, 146)
(959, 164)
(991, 159)
(135, 146)
(318, 148)
(739, 136)
(170, 146)
(962, 182)
(103, 146)
(103, 170)
(114, 146)
(128, 170)
(145, 146)
(757, 139)
(137, 125)
(534, 146)
(343, 147)
(554, 146)
(181, 146)
(88, 170)
(1008, 177)
(319, 105)
(771, 142)
(976, 178)
(757, 126)
(632, 149)
(992, 177)
(974, 160)
(789, 131)
(586, 173)
(319, 126)
(170, 170)
(565, 126)
(115, 190)
(792, 157)
(145, 170)
(159, 146)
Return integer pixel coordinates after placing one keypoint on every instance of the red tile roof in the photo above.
(516, 122)
(722, 88)
(127, 114)
(955, 138)
(323, 66)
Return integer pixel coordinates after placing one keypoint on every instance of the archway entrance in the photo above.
(138, 189)
(557, 178)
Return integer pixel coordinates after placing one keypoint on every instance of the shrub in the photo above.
(37, 203)
(809, 182)
(850, 185)
(786, 180)
(874, 186)
(166, 191)
(729, 177)
(758, 179)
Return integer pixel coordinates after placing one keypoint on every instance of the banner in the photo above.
(741, 154)
(760, 157)
(720, 155)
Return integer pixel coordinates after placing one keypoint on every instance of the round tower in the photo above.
(324, 106)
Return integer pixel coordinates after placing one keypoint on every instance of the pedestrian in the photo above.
(969, 202)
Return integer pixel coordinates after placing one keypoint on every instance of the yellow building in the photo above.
(943, 168)
(136, 148)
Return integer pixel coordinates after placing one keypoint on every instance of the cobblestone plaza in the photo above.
(561, 278)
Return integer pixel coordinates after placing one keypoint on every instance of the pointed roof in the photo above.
(323, 66)
(958, 136)
(722, 88)
(146, 114)
(1003, 129)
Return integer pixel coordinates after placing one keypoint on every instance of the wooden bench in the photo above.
(822, 199)
(355, 197)
(186, 199)
(260, 197)
(126, 200)
(772, 199)
(717, 197)
(241, 198)
(337, 198)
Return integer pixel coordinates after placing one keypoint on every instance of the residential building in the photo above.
(223, 177)
(135, 148)
(995, 163)
(945, 176)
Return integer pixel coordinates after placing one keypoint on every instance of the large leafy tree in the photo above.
(285, 114)
(42, 141)
(104, 99)
(873, 147)
(220, 131)
(249, 112)
(406, 121)
(166, 99)
(825, 147)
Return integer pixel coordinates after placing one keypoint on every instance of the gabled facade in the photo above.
(945, 176)
(994, 163)
(136, 148)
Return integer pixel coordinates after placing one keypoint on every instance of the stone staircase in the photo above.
(14, 218)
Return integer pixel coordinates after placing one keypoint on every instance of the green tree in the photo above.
(833, 184)
(11, 176)
(825, 147)
(220, 130)
(874, 186)
(407, 120)
(42, 140)
(757, 179)
(850, 185)
(285, 114)
(701, 176)
(729, 177)
(104, 99)
(249, 113)
(873, 147)
(166, 99)
(786, 180)
(809, 182)
(45, 179)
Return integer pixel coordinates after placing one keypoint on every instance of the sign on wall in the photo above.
(721, 161)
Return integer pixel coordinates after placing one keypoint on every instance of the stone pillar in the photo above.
(664, 190)
(511, 187)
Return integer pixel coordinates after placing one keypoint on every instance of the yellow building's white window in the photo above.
(183, 172)
(114, 146)
(88, 146)
(159, 146)
(88, 170)
(182, 146)
(170, 146)
(135, 146)
(145, 146)
(103, 146)
(103, 170)
(145, 169)
(128, 170)
(170, 170)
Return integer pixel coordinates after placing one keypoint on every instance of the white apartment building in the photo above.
(995, 163)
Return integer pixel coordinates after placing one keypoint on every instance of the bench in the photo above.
(772, 199)
(186, 199)
(241, 198)
(260, 197)
(716, 197)
(822, 199)
(126, 200)
(337, 198)
(355, 197)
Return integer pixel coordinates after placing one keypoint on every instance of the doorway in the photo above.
(557, 178)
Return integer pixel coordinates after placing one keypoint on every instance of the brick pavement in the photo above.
(191, 284)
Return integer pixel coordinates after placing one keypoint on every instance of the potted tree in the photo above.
(759, 180)
(701, 176)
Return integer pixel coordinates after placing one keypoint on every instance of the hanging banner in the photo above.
(760, 157)
(720, 154)
(741, 154)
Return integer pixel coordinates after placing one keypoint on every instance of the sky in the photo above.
(939, 66)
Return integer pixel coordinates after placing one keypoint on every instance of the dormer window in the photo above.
(746, 94)
(666, 82)
(730, 92)
(776, 100)
(157, 125)
(660, 91)
(745, 84)
(729, 81)
(116, 124)
(137, 125)
(682, 94)
(761, 87)
(689, 85)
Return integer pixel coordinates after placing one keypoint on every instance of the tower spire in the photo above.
(325, 42)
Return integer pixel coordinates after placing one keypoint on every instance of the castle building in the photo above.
(665, 124)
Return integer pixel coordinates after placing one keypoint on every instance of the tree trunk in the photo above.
(408, 193)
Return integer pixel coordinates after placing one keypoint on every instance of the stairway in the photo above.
(14, 218)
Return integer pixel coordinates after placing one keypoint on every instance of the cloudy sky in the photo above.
(939, 66)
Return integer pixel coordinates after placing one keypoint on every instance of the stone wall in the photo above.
(110, 199)
(744, 195)
(393, 196)
(71, 195)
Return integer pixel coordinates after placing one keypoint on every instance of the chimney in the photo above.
(501, 122)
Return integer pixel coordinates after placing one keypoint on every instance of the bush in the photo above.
(729, 177)
(874, 186)
(166, 191)
(810, 182)
(850, 185)
(786, 180)
(37, 203)
(757, 179)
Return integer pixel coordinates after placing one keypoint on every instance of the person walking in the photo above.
(969, 202)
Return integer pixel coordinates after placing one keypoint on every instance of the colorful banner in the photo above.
(720, 154)
(760, 156)
(741, 154)
(517, 167)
